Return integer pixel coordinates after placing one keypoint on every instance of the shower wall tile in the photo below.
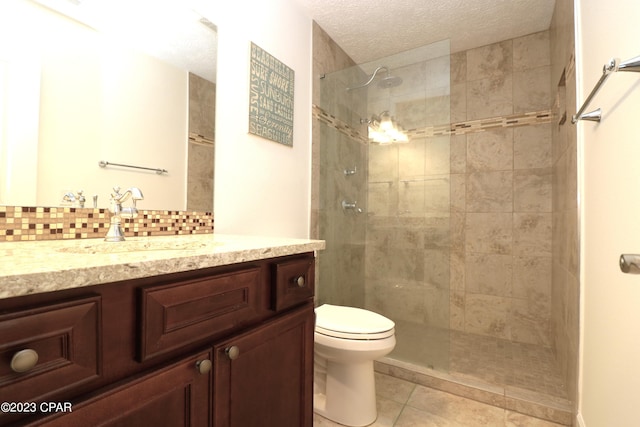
(436, 232)
(531, 51)
(458, 66)
(458, 192)
(411, 199)
(458, 232)
(532, 278)
(456, 310)
(490, 191)
(529, 321)
(490, 97)
(532, 234)
(532, 190)
(437, 194)
(436, 268)
(438, 156)
(458, 144)
(494, 60)
(411, 159)
(436, 113)
(531, 90)
(457, 271)
(505, 176)
(487, 315)
(401, 301)
(458, 102)
(383, 163)
(490, 151)
(437, 308)
(489, 233)
(532, 147)
(489, 274)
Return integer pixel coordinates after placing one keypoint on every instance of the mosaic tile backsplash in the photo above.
(20, 223)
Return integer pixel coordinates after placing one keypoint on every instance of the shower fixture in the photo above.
(387, 82)
(383, 129)
(351, 171)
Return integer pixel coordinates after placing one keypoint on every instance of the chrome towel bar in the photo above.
(612, 66)
(104, 164)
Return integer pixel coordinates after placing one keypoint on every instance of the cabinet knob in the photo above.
(203, 366)
(299, 281)
(24, 360)
(232, 352)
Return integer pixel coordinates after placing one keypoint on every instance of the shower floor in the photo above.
(492, 360)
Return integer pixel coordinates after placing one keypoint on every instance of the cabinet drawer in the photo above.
(182, 313)
(65, 338)
(294, 282)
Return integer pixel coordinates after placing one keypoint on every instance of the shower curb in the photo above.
(550, 408)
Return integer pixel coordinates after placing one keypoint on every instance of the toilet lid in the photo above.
(353, 323)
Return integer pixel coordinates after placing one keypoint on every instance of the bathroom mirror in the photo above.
(130, 82)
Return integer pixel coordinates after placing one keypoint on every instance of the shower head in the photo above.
(387, 82)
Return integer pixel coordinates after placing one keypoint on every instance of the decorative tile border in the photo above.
(200, 139)
(19, 223)
(459, 128)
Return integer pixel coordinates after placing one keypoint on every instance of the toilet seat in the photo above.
(352, 323)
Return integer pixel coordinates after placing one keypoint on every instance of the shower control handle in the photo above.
(353, 206)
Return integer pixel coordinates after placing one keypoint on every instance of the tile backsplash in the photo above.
(28, 223)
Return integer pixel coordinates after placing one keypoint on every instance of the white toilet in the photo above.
(347, 341)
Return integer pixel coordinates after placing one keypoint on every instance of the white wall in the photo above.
(261, 187)
(610, 210)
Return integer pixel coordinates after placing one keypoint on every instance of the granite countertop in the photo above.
(44, 266)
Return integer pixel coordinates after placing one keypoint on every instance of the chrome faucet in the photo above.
(75, 199)
(115, 233)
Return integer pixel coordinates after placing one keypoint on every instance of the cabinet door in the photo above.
(177, 395)
(264, 378)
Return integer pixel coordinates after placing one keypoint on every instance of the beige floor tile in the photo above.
(514, 419)
(319, 421)
(388, 412)
(393, 388)
(411, 417)
(460, 411)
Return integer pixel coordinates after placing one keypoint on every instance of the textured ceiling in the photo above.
(373, 29)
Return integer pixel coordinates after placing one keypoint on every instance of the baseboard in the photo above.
(580, 421)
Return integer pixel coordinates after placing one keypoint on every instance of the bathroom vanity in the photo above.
(205, 330)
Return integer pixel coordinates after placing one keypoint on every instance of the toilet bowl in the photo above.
(347, 341)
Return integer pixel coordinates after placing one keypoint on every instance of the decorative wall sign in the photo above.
(271, 98)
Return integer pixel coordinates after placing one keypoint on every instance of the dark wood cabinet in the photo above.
(176, 395)
(265, 377)
(223, 346)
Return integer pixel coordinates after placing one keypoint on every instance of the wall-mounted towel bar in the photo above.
(612, 66)
(630, 263)
(104, 164)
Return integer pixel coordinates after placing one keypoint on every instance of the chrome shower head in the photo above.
(386, 83)
(389, 82)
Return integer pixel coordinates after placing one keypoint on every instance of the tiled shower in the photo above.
(455, 237)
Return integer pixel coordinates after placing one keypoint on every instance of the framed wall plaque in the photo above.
(270, 97)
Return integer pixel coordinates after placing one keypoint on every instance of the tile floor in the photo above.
(404, 404)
